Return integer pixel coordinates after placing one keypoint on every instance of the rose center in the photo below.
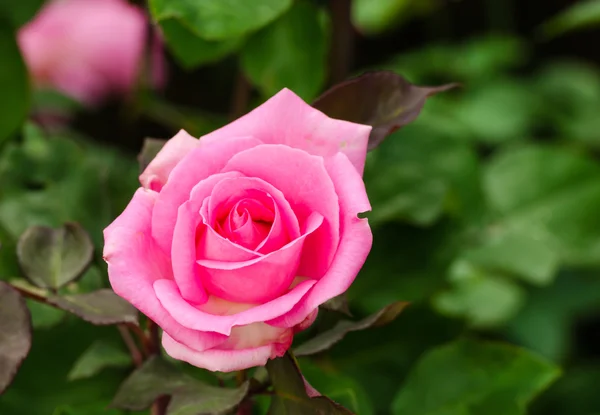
(247, 223)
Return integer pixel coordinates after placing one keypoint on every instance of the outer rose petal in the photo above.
(306, 185)
(134, 263)
(216, 359)
(196, 166)
(196, 319)
(355, 244)
(156, 174)
(287, 119)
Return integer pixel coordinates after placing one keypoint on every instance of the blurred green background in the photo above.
(486, 210)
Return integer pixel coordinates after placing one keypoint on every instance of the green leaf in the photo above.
(327, 339)
(157, 378)
(97, 357)
(290, 393)
(518, 254)
(469, 377)
(418, 175)
(51, 258)
(382, 99)
(289, 53)
(15, 329)
(339, 304)
(374, 16)
(482, 297)
(102, 307)
(550, 194)
(150, 149)
(219, 20)
(505, 110)
(20, 13)
(14, 84)
(583, 14)
(339, 387)
(191, 50)
(44, 316)
(551, 314)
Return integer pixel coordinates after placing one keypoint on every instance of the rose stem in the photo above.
(240, 97)
(342, 41)
(135, 353)
(159, 407)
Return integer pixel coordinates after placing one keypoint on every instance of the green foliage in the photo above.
(291, 52)
(578, 16)
(374, 16)
(325, 340)
(192, 50)
(102, 307)
(290, 395)
(469, 377)
(52, 258)
(15, 325)
(98, 356)
(220, 20)
(14, 83)
(188, 395)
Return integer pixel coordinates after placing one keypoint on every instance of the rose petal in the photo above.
(285, 225)
(217, 360)
(135, 263)
(195, 319)
(156, 174)
(199, 164)
(258, 280)
(306, 184)
(184, 251)
(286, 119)
(355, 244)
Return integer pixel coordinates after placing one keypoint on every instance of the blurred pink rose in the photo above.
(235, 239)
(89, 49)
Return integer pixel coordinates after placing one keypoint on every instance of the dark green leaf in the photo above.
(19, 13)
(290, 392)
(150, 149)
(339, 304)
(219, 20)
(551, 194)
(14, 84)
(102, 307)
(325, 340)
(581, 15)
(374, 16)
(157, 378)
(51, 258)
(418, 175)
(337, 386)
(383, 99)
(485, 299)
(469, 377)
(15, 333)
(98, 356)
(192, 51)
(521, 255)
(289, 53)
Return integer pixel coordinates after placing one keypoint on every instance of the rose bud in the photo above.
(89, 49)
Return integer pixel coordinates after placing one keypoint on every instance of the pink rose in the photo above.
(235, 239)
(88, 49)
